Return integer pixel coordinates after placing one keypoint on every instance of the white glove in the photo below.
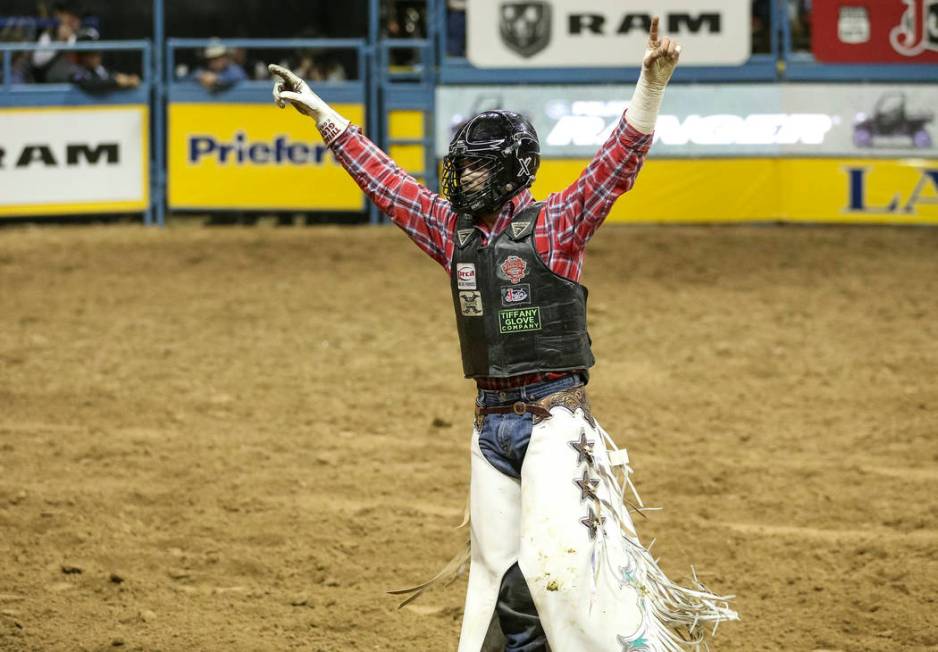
(290, 88)
(657, 67)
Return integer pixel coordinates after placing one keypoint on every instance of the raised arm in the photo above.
(427, 218)
(579, 210)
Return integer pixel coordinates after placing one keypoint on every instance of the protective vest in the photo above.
(513, 314)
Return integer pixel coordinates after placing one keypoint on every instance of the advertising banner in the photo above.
(814, 190)
(68, 160)
(255, 157)
(600, 33)
(836, 120)
(875, 31)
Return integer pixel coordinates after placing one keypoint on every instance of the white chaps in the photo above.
(566, 525)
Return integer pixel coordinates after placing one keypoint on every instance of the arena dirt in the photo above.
(238, 439)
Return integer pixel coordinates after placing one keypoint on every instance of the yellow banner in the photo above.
(903, 191)
(255, 156)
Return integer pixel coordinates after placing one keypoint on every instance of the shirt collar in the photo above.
(506, 213)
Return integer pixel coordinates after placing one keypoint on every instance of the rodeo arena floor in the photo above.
(240, 439)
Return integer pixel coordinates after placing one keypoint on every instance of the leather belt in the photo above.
(571, 399)
(518, 407)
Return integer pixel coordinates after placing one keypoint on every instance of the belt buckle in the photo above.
(519, 408)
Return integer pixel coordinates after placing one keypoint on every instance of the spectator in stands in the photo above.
(404, 21)
(761, 26)
(799, 16)
(18, 31)
(315, 65)
(86, 70)
(220, 72)
(456, 28)
(52, 62)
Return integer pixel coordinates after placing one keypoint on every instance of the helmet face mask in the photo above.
(492, 157)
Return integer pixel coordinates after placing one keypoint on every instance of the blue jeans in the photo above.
(504, 437)
(504, 440)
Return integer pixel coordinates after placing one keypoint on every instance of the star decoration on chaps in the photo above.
(584, 449)
(639, 644)
(628, 577)
(587, 486)
(593, 522)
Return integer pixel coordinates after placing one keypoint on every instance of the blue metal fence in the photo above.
(383, 88)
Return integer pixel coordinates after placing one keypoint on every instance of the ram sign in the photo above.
(603, 33)
(64, 160)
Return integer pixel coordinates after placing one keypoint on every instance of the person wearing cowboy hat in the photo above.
(220, 72)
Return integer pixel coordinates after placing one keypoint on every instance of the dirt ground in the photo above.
(238, 439)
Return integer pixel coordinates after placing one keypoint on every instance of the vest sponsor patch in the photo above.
(518, 320)
(513, 269)
(463, 235)
(517, 228)
(466, 276)
(470, 304)
(513, 295)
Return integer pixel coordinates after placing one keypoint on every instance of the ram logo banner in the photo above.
(596, 33)
(75, 154)
(525, 26)
(885, 31)
(254, 157)
(71, 160)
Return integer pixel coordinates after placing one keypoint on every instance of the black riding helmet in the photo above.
(502, 144)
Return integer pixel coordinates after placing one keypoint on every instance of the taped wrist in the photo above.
(646, 101)
(330, 124)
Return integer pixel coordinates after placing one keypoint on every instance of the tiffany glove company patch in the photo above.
(519, 320)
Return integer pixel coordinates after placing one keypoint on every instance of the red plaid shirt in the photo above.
(563, 228)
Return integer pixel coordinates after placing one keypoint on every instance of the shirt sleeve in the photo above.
(574, 214)
(427, 218)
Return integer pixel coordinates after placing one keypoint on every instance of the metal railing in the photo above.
(7, 50)
(382, 87)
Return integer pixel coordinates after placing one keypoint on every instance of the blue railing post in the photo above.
(158, 97)
(372, 105)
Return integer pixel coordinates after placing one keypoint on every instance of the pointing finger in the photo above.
(292, 80)
(653, 34)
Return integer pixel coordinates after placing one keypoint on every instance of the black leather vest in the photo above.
(514, 315)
